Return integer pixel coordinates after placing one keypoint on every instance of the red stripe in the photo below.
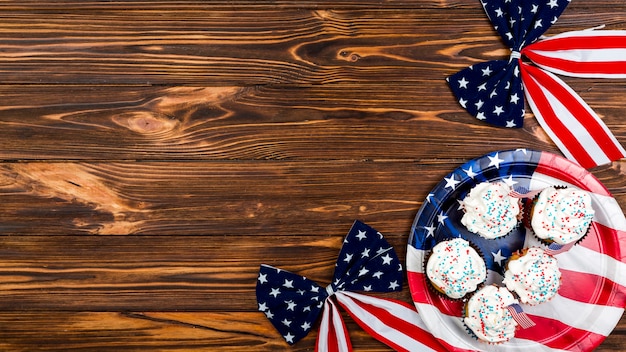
(420, 294)
(555, 166)
(578, 42)
(548, 114)
(401, 325)
(333, 342)
(598, 290)
(555, 334)
(579, 111)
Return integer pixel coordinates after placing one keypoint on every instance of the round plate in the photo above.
(592, 296)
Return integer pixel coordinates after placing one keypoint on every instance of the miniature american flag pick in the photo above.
(555, 248)
(366, 263)
(496, 91)
(519, 316)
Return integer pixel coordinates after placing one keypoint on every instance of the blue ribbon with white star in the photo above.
(492, 91)
(294, 303)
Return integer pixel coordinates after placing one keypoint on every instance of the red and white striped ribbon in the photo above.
(333, 334)
(573, 126)
(392, 322)
(567, 119)
(588, 53)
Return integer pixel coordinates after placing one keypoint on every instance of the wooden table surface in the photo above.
(155, 153)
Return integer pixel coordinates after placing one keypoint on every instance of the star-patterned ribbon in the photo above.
(366, 263)
(494, 91)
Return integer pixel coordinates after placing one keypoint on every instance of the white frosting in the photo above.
(489, 210)
(535, 276)
(486, 314)
(455, 267)
(562, 215)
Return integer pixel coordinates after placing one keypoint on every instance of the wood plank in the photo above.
(221, 198)
(163, 331)
(245, 197)
(200, 6)
(249, 47)
(328, 122)
(171, 331)
(149, 273)
(225, 47)
(197, 5)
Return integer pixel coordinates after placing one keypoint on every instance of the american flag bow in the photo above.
(366, 263)
(494, 91)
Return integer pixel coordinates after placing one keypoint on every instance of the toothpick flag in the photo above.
(494, 91)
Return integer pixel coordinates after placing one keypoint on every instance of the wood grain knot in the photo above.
(145, 122)
(348, 56)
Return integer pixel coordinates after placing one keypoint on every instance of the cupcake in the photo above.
(560, 215)
(454, 268)
(533, 275)
(487, 317)
(490, 211)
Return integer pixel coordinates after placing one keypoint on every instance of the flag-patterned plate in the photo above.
(592, 296)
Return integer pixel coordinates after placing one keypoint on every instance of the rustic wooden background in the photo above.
(154, 153)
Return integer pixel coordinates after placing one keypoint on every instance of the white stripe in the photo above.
(378, 325)
(589, 33)
(586, 55)
(541, 181)
(322, 335)
(585, 260)
(452, 330)
(589, 317)
(415, 259)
